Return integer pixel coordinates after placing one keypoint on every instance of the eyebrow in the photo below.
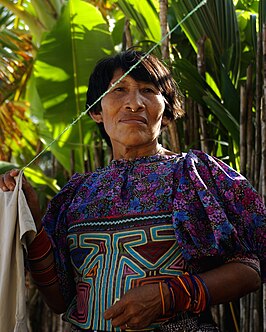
(114, 81)
(138, 81)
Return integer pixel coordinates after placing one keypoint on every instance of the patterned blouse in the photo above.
(210, 211)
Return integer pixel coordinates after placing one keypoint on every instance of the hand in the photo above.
(8, 183)
(137, 309)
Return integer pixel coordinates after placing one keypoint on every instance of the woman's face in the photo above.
(132, 112)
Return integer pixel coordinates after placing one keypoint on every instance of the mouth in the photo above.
(133, 119)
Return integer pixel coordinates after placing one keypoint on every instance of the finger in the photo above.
(7, 180)
(124, 327)
(3, 187)
(127, 327)
(120, 318)
(114, 311)
(14, 172)
(10, 182)
(120, 321)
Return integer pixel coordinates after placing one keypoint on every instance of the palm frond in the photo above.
(16, 61)
(16, 129)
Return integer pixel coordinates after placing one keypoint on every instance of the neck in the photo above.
(130, 153)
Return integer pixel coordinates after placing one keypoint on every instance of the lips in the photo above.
(134, 119)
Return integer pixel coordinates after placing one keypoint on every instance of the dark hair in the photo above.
(150, 69)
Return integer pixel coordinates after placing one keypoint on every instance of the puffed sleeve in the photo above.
(217, 213)
(55, 225)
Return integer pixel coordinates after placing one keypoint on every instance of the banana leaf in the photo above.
(64, 62)
(145, 16)
(45, 186)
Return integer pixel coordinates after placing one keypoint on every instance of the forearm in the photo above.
(40, 256)
(53, 297)
(143, 305)
(41, 264)
(194, 293)
(230, 282)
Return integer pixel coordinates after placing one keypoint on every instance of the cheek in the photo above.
(109, 124)
(159, 107)
(158, 113)
(104, 103)
(108, 102)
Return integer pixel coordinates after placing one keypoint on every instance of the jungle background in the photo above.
(217, 54)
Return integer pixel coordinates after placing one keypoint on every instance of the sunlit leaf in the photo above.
(145, 16)
(16, 61)
(39, 179)
(17, 132)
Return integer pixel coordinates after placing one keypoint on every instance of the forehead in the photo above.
(119, 72)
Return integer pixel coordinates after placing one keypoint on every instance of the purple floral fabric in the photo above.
(216, 214)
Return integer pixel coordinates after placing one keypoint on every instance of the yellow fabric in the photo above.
(16, 229)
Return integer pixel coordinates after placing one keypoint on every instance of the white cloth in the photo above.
(16, 229)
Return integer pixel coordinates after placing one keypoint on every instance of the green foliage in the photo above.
(145, 17)
(71, 36)
(215, 21)
(46, 186)
(229, 43)
(64, 61)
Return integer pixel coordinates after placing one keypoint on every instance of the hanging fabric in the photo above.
(17, 229)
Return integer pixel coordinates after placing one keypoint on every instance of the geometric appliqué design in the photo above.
(83, 294)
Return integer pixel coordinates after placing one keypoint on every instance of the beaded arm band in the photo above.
(41, 261)
(40, 246)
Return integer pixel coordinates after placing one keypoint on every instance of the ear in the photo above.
(165, 121)
(97, 117)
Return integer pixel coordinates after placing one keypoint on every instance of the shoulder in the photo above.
(204, 172)
(198, 157)
(62, 199)
(201, 162)
(73, 183)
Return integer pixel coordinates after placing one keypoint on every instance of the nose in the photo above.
(135, 101)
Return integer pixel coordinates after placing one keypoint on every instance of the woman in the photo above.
(155, 238)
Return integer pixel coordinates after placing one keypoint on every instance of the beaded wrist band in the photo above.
(172, 297)
(188, 293)
(162, 298)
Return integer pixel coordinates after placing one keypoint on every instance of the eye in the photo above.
(148, 90)
(118, 88)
